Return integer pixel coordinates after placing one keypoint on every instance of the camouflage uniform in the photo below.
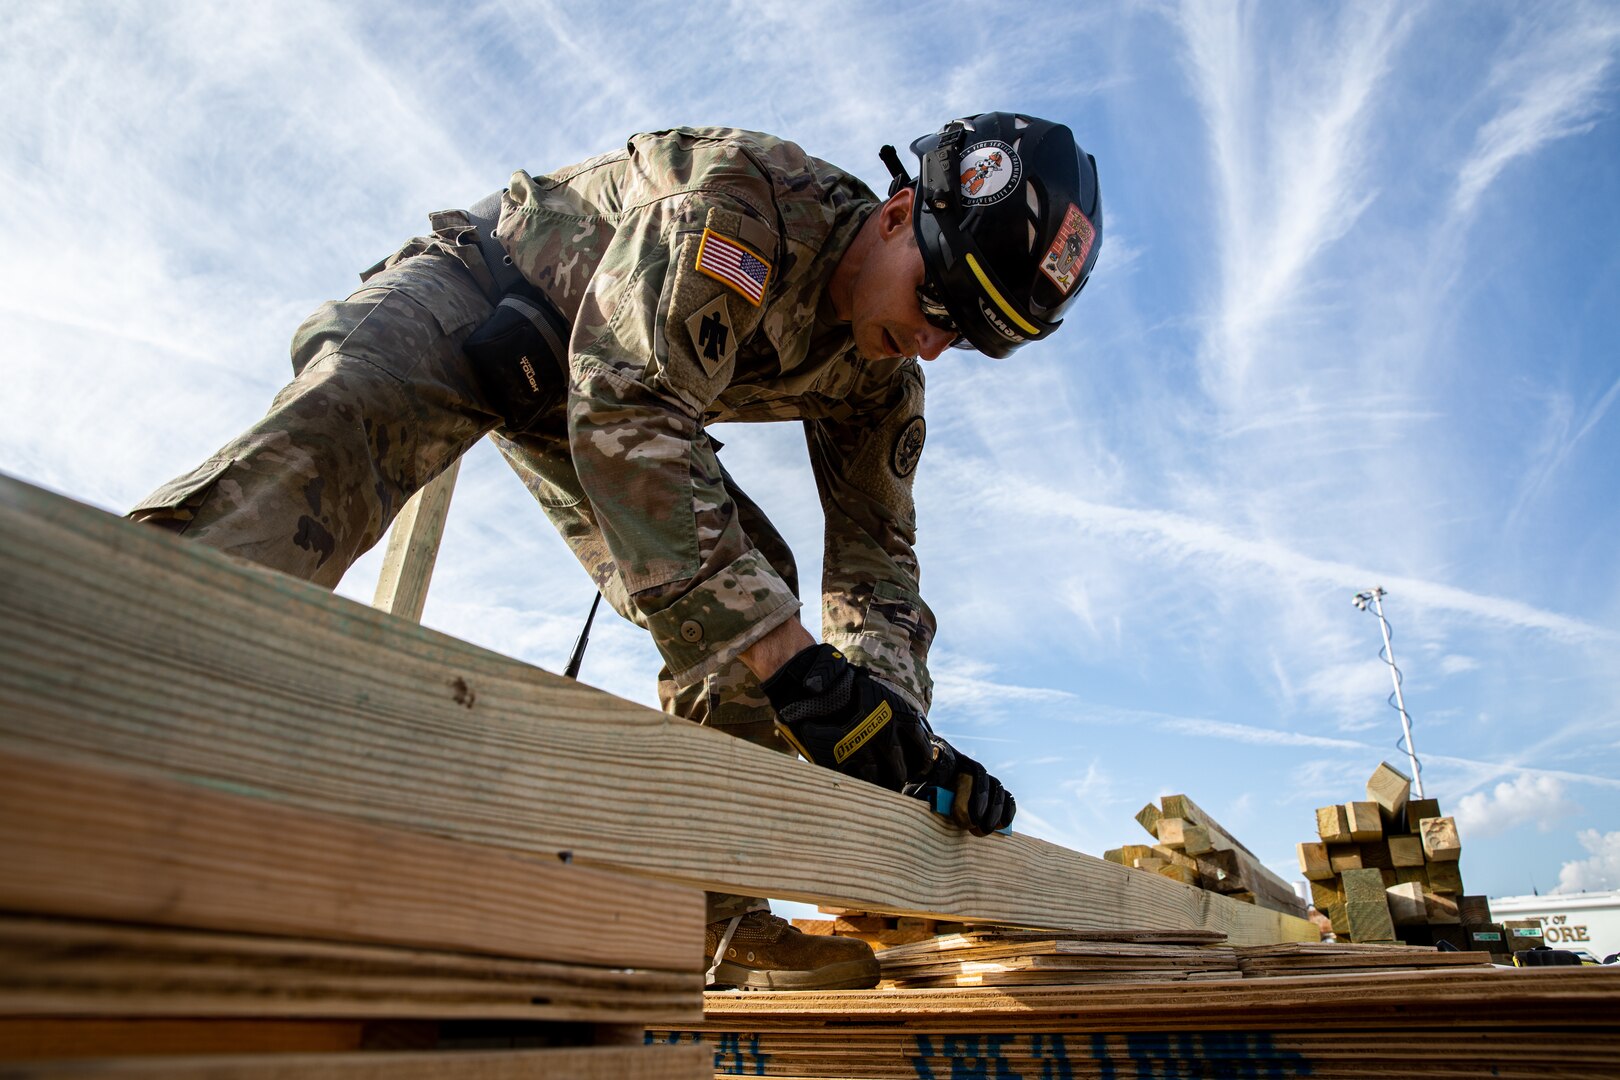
(383, 399)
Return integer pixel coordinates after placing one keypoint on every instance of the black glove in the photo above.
(980, 804)
(836, 714)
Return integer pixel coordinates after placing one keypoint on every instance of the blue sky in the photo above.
(1354, 323)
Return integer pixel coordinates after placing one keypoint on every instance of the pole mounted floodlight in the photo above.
(1374, 597)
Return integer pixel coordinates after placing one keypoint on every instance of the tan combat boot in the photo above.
(759, 951)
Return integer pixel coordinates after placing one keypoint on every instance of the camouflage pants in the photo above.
(382, 401)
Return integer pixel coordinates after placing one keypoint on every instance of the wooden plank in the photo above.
(1178, 834)
(1148, 818)
(1440, 843)
(1417, 810)
(1406, 851)
(226, 674)
(1406, 906)
(1313, 862)
(1366, 906)
(1444, 878)
(91, 842)
(1332, 825)
(1441, 910)
(57, 967)
(1269, 888)
(1364, 821)
(413, 547)
(1389, 788)
(657, 1062)
(1344, 858)
(36, 1038)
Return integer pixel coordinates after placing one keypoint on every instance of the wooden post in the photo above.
(413, 545)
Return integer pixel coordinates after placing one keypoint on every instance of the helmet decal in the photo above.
(1001, 325)
(991, 171)
(1069, 249)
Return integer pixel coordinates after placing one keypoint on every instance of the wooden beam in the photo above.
(217, 672)
(1148, 818)
(413, 547)
(1389, 788)
(1271, 890)
(1406, 851)
(1313, 862)
(1440, 843)
(1332, 825)
(91, 842)
(656, 1062)
(1364, 820)
(1367, 906)
(62, 967)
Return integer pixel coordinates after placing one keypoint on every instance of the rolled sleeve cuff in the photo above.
(891, 661)
(720, 617)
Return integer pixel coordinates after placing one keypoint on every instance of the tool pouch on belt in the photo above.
(520, 356)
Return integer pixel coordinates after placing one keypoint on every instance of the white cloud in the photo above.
(1453, 664)
(1555, 73)
(1526, 799)
(1599, 872)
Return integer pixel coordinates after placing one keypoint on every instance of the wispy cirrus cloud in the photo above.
(1552, 74)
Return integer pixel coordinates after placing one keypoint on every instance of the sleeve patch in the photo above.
(908, 447)
(713, 339)
(729, 262)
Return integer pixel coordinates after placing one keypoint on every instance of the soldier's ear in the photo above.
(894, 216)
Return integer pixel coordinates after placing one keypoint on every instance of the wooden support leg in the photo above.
(413, 545)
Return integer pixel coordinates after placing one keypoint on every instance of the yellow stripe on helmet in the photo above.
(1007, 309)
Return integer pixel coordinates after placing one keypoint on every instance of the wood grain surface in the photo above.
(569, 1063)
(130, 645)
(92, 842)
(62, 968)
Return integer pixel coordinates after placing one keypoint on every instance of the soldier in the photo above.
(594, 322)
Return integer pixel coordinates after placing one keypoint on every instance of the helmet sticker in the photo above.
(994, 319)
(908, 447)
(1067, 255)
(990, 172)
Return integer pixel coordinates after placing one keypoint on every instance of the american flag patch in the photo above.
(723, 259)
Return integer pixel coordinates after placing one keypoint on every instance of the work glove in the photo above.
(979, 804)
(837, 715)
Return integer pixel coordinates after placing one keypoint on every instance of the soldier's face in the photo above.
(885, 316)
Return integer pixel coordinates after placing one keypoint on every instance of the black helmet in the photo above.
(1008, 217)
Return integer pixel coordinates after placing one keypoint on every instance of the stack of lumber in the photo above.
(160, 922)
(1386, 869)
(877, 930)
(1507, 1023)
(124, 644)
(1191, 847)
(1327, 958)
(1041, 958)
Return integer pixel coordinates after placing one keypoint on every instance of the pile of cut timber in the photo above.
(1386, 869)
(1507, 1023)
(877, 930)
(1192, 848)
(1047, 958)
(160, 924)
(1043, 958)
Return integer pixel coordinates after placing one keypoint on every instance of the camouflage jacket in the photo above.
(693, 264)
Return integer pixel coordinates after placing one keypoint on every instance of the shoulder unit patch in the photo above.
(730, 263)
(713, 339)
(908, 447)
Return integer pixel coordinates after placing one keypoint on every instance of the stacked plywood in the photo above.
(877, 930)
(1191, 847)
(153, 918)
(1386, 868)
(1465, 1022)
(1043, 958)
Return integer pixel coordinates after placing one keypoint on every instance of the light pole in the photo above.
(1374, 596)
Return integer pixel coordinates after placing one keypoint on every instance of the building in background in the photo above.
(1589, 921)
